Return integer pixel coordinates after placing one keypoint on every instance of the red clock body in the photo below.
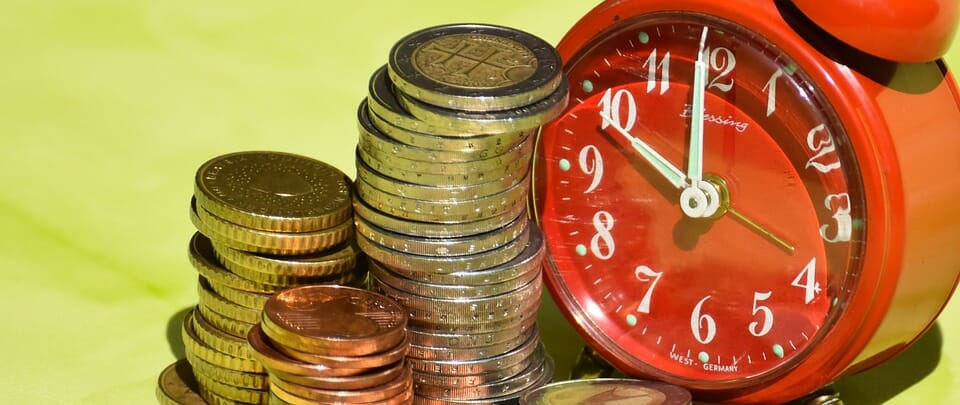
(740, 204)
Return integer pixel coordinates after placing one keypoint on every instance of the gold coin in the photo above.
(392, 168)
(281, 243)
(207, 297)
(246, 395)
(273, 191)
(224, 323)
(257, 381)
(336, 260)
(193, 345)
(204, 260)
(217, 339)
(248, 299)
(178, 386)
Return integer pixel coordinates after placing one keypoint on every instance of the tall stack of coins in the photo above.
(333, 345)
(267, 221)
(442, 175)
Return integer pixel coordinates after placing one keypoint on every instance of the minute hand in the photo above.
(661, 164)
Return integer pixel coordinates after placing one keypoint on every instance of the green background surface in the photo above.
(107, 107)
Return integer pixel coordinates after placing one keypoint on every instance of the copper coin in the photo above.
(336, 360)
(274, 360)
(390, 389)
(327, 319)
(372, 378)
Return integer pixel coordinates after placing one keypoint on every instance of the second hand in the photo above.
(763, 231)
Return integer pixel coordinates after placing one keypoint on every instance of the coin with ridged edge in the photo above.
(410, 263)
(464, 340)
(443, 211)
(193, 345)
(539, 370)
(508, 399)
(481, 147)
(516, 169)
(204, 260)
(369, 379)
(470, 145)
(444, 246)
(274, 191)
(478, 366)
(444, 120)
(334, 319)
(476, 67)
(336, 260)
(218, 339)
(273, 359)
(388, 390)
(434, 229)
(606, 391)
(451, 291)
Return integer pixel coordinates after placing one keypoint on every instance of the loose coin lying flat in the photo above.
(475, 67)
(607, 391)
(273, 191)
(177, 385)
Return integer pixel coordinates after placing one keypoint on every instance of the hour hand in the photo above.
(661, 164)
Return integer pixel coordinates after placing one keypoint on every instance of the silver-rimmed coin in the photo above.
(470, 145)
(397, 156)
(443, 247)
(472, 380)
(444, 211)
(607, 390)
(450, 291)
(533, 374)
(469, 353)
(509, 399)
(442, 120)
(421, 263)
(447, 312)
(391, 168)
(473, 149)
(433, 229)
(528, 260)
(475, 67)
(456, 192)
(479, 366)
(458, 340)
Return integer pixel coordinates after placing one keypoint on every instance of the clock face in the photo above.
(702, 204)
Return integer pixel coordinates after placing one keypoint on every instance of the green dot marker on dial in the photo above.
(581, 250)
(703, 357)
(778, 350)
(587, 86)
(564, 164)
(631, 320)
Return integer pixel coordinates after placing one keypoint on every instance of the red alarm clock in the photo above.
(746, 203)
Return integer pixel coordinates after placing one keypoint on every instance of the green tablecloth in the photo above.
(107, 107)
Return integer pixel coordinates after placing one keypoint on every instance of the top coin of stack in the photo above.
(442, 176)
(267, 221)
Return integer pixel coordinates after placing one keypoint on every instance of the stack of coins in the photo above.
(333, 345)
(267, 221)
(442, 175)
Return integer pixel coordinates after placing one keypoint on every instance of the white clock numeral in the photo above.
(645, 274)
(756, 328)
(653, 67)
(610, 106)
(771, 89)
(591, 162)
(821, 143)
(807, 280)
(704, 327)
(603, 223)
(842, 217)
(721, 59)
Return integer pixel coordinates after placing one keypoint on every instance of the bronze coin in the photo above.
(326, 319)
(369, 379)
(273, 360)
(178, 386)
(390, 389)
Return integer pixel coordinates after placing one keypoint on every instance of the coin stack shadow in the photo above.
(333, 345)
(444, 152)
(266, 221)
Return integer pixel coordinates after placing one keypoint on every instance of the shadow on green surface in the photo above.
(880, 384)
(174, 338)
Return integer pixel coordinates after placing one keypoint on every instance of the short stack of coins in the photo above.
(442, 174)
(266, 221)
(333, 345)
